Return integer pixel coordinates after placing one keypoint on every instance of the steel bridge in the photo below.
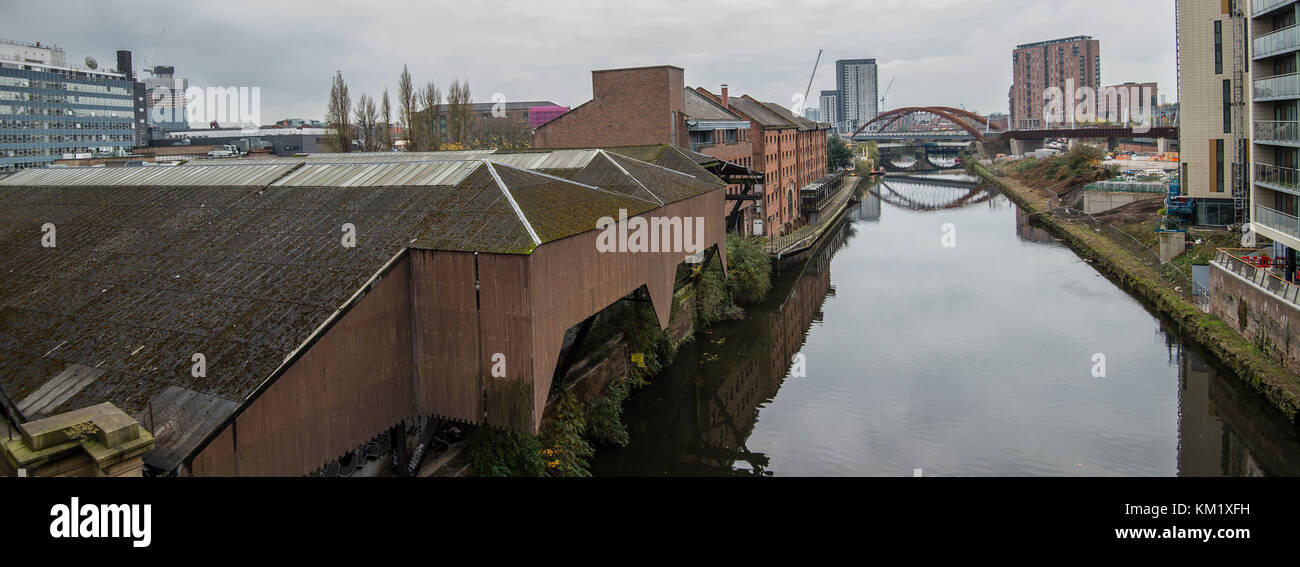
(945, 123)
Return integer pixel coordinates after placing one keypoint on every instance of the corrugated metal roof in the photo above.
(242, 175)
(179, 419)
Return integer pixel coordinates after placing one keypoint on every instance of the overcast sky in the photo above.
(941, 52)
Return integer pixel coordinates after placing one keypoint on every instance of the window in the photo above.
(1218, 47)
(1218, 167)
(1227, 106)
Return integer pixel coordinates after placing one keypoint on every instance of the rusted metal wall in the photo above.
(445, 327)
(570, 280)
(218, 458)
(504, 326)
(354, 382)
(423, 341)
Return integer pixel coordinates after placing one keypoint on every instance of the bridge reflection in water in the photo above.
(699, 417)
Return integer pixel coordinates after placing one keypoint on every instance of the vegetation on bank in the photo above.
(568, 439)
(1081, 165)
(1246, 358)
(749, 272)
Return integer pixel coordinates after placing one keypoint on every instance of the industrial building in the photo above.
(50, 109)
(221, 306)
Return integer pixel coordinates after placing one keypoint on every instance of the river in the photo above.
(935, 332)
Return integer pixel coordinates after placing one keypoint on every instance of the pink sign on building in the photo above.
(538, 115)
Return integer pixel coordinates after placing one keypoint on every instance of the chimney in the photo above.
(726, 102)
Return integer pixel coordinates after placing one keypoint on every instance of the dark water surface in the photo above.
(972, 360)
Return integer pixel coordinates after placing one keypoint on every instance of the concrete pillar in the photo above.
(1172, 245)
(1074, 142)
(1022, 147)
(1162, 145)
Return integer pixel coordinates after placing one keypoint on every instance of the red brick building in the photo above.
(651, 105)
(629, 107)
(788, 149)
(1060, 63)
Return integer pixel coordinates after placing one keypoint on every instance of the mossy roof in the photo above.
(247, 273)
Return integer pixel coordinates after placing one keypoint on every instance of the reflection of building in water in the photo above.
(1226, 429)
(867, 209)
(706, 405)
(1028, 232)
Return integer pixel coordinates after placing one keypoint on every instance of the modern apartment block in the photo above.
(1212, 76)
(830, 108)
(165, 99)
(1061, 63)
(1130, 101)
(49, 108)
(858, 96)
(1275, 195)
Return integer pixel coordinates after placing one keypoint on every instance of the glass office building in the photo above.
(49, 110)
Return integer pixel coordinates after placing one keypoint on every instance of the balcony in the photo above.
(1278, 178)
(1277, 42)
(1277, 133)
(1261, 7)
(1280, 87)
(1277, 220)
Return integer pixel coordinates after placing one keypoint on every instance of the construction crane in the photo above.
(149, 63)
(808, 90)
(882, 95)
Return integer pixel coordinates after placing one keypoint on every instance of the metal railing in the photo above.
(1263, 6)
(1276, 42)
(1235, 260)
(1277, 176)
(1277, 131)
(1277, 220)
(1281, 86)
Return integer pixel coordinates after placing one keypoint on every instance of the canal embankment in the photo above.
(1265, 375)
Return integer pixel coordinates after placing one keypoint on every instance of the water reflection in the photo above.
(893, 404)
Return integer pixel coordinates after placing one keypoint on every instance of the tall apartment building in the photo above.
(49, 108)
(1212, 127)
(1060, 63)
(829, 104)
(858, 97)
(1274, 198)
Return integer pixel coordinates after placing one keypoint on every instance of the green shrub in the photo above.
(499, 452)
(749, 269)
(605, 416)
(564, 450)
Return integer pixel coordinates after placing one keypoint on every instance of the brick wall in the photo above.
(628, 107)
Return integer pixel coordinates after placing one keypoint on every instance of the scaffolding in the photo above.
(1240, 110)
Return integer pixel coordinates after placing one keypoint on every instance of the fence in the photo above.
(1257, 270)
(1128, 187)
(807, 234)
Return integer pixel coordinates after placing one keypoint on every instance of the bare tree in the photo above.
(340, 107)
(406, 108)
(386, 113)
(430, 100)
(460, 113)
(367, 123)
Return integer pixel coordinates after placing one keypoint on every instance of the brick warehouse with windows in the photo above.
(791, 153)
(652, 105)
